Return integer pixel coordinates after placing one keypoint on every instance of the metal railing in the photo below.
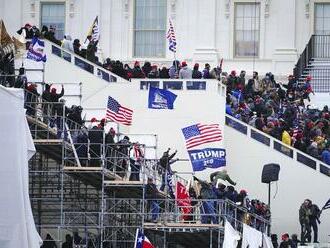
(85, 64)
(321, 78)
(304, 59)
(277, 145)
(318, 46)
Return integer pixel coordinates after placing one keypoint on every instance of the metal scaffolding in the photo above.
(83, 189)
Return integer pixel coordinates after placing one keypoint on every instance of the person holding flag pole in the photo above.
(172, 44)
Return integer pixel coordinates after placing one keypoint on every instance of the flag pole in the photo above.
(136, 237)
(176, 65)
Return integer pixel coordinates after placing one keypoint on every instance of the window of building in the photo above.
(247, 29)
(53, 14)
(150, 28)
(322, 18)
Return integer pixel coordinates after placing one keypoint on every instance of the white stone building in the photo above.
(265, 35)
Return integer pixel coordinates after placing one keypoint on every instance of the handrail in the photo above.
(316, 47)
(295, 152)
(122, 80)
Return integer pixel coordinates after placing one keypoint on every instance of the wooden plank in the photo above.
(181, 225)
(82, 169)
(123, 182)
(48, 141)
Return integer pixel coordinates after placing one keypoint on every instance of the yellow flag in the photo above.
(6, 42)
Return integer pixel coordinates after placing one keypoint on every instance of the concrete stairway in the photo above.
(319, 69)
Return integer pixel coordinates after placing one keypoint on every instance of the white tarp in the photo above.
(231, 236)
(17, 227)
(266, 241)
(252, 238)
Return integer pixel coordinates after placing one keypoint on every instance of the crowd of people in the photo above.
(206, 198)
(280, 110)
(88, 50)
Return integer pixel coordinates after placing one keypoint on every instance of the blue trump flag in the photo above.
(36, 50)
(161, 99)
(207, 158)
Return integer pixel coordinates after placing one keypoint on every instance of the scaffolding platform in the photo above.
(91, 175)
(180, 226)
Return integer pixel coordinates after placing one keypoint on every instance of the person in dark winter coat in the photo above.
(196, 73)
(91, 50)
(95, 136)
(304, 219)
(163, 73)
(146, 68)
(208, 212)
(206, 71)
(54, 98)
(314, 220)
(31, 98)
(21, 79)
(152, 194)
(110, 148)
(286, 241)
(49, 242)
(123, 155)
(137, 72)
(164, 163)
(82, 146)
(68, 242)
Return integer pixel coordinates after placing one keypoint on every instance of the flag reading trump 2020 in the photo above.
(160, 99)
(207, 158)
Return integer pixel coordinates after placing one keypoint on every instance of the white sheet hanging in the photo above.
(17, 227)
(231, 236)
(251, 237)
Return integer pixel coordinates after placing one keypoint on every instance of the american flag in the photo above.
(199, 134)
(171, 38)
(118, 113)
(94, 30)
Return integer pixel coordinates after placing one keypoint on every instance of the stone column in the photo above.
(205, 32)
(285, 52)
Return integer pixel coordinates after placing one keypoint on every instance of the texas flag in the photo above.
(141, 241)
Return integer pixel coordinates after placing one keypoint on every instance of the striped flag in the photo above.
(326, 205)
(199, 134)
(118, 113)
(94, 30)
(171, 38)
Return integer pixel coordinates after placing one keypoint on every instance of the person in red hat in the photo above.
(308, 88)
(31, 98)
(92, 123)
(185, 72)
